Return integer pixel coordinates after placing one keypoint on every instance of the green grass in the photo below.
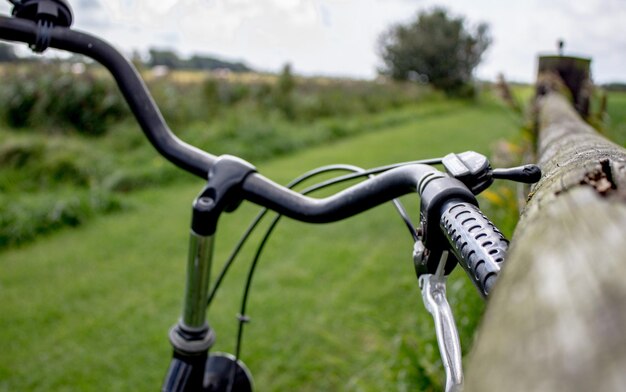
(616, 121)
(334, 307)
(523, 93)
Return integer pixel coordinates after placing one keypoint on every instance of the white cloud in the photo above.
(339, 36)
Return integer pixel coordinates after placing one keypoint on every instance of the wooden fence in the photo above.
(556, 320)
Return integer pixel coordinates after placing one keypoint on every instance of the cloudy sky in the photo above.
(338, 37)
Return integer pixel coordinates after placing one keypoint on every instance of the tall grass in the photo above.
(45, 97)
(70, 133)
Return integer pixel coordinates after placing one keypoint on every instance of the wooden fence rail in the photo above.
(556, 320)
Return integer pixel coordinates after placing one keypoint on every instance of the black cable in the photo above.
(243, 319)
(332, 181)
(376, 170)
(44, 35)
(255, 222)
(406, 219)
(358, 173)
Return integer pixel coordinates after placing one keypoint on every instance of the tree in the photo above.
(435, 46)
(167, 58)
(211, 63)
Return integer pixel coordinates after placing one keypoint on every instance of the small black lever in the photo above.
(528, 174)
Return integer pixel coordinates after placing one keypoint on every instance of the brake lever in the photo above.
(433, 288)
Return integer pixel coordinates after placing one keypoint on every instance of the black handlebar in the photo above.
(358, 198)
(256, 188)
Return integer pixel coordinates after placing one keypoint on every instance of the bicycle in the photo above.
(452, 229)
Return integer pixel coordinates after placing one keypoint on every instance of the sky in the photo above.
(339, 37)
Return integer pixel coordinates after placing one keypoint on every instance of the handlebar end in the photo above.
(527, 174)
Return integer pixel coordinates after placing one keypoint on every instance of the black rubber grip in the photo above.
(478, 245)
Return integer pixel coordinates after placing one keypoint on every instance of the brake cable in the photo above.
(358, 173)
(333, 181)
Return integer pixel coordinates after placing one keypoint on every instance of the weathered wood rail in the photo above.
(556, 320)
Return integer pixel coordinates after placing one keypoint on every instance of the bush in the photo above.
(28, 216)
(53, 99)
(34, 164)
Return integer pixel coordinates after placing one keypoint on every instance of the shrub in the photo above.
(56, 99)
(28, 216)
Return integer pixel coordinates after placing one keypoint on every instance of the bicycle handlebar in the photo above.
(256, 188)
(478, 245)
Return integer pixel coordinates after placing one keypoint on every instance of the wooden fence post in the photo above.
(574, 73)
(556, 320)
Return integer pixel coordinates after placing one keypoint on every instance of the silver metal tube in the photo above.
(198, 276)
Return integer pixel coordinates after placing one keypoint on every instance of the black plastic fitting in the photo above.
(57, 12)
(223, 192)
(47, 14)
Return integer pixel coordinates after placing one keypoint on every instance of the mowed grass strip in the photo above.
(333, 307)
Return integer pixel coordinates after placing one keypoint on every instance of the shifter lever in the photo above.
(473, 170)
(528, 174)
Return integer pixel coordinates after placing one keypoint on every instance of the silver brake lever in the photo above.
(433, 288)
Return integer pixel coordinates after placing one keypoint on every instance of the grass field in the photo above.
(616, 117)
(334, 307)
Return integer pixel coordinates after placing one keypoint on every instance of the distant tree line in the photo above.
(616, 86)
(166, 58)
(170, 59)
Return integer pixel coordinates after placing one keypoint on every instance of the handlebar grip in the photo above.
(478, 245)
